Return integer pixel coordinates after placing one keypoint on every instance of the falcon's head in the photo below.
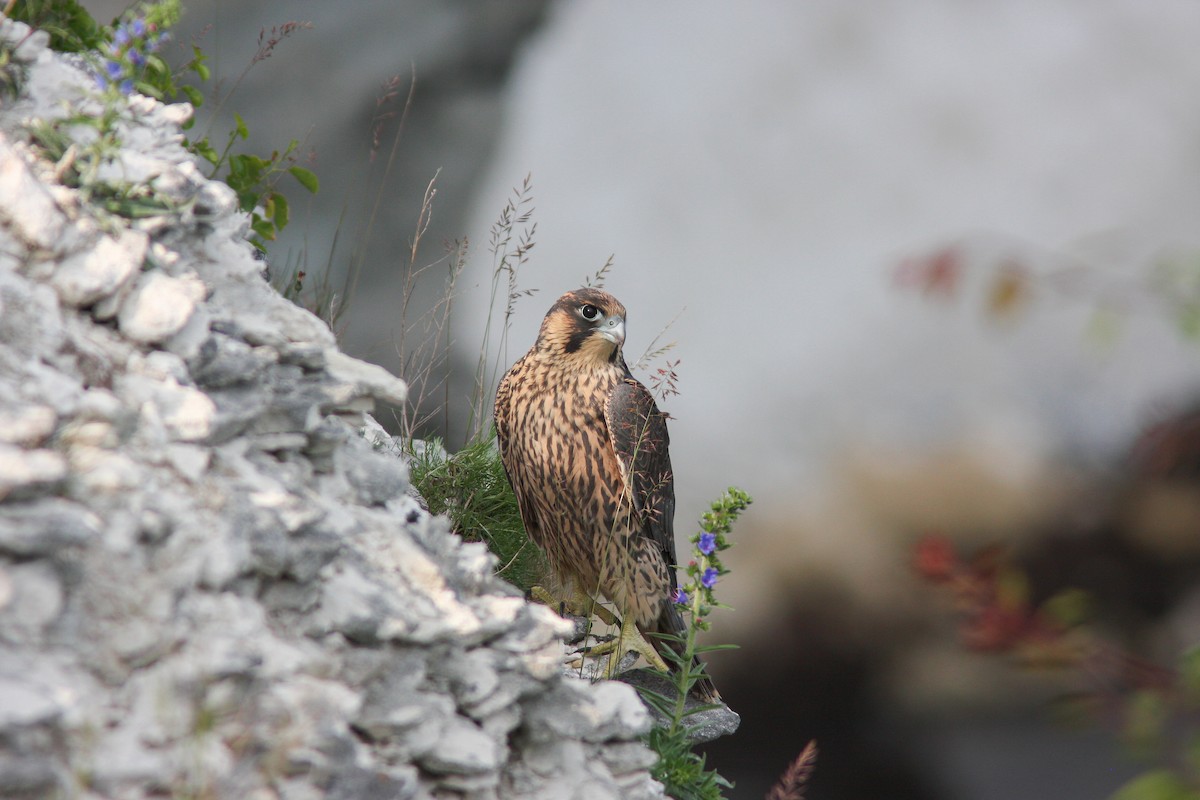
(586, 324)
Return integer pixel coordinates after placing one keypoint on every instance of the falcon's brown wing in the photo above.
(639, 436)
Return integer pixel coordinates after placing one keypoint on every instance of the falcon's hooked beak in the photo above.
(613, 329)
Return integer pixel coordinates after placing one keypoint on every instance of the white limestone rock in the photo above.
(101, 270)
(35, 601)
(28, 426)
(41, 528)
(26, 205)
(590, 712)
(464, 749)
(23, 704)
(159, 306)
(28, 472)
(369, 378)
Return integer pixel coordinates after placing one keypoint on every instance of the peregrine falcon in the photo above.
(585, 449)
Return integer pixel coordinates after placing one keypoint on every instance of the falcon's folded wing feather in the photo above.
(639, 437)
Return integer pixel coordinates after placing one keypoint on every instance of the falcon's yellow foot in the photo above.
(630, 640)
(579, 604)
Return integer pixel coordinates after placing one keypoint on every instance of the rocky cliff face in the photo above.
(212, 584)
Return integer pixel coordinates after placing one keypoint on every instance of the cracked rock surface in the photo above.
(211, 584)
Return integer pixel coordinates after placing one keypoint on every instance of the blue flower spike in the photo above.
(127, 54)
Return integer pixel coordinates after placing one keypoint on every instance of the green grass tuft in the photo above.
(470, 488)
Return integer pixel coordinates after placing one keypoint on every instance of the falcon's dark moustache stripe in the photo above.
(576, 340)
(579, 338)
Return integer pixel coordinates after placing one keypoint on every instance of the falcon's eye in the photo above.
(590, 312)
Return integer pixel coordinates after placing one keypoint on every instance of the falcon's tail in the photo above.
(670, 622)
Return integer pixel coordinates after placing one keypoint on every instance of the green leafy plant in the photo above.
(79, 162)
(129, 59)
(82, 145)
(131, 51)
(72, 29)
(255, 179)
(680, 769)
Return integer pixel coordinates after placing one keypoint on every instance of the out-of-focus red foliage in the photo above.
(935, 559)
(940, 274)
(1153, 707)
(991, 596)
(937, 274)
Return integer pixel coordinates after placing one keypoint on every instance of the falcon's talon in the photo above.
(580, 604)
(616, 646)
(630, 640)
(591, 650)
(543, 596)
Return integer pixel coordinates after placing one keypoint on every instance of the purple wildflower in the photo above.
(131, 43)
(709, 579)
(679, 597)
(707, 543)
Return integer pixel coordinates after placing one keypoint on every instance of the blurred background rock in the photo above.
(788, 175)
